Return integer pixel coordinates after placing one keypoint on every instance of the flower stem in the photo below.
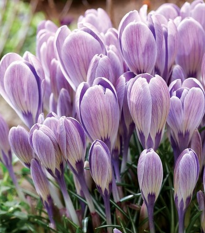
(106, 200)
(68, 202)
(48, 207)
(150, 210)
(124, 156)
(181, 220)
(18, 188)
(87, 195)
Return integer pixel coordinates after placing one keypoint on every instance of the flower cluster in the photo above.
(106, 87)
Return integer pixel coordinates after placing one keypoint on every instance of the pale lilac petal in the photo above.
(194, 109)
(18, 138)
(196, 145)
(132, 16)
(168, 10)
(40, 180)
(191, 46)
(139, 51)
(100, 166)
(198, 13)
(22, 89)
(177, 73)
(64, 105)
(77, 52)
(5, 62)
(150, 173)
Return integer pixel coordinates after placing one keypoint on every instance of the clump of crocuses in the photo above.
(113, 120)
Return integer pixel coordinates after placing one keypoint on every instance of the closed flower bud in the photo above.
(24, 95)
(100, 166)
(72, 142)
(45, 145)
(18, 138)
(186, 112)
(139, 51)
(98, 19)
(99, 111)
(74, 48)
(191, 47)
(116, 231)
(186, 173)
(150, 175)
(149, 108)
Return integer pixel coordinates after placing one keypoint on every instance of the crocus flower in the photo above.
(186, 173)
(116, 231)
(150, 176)
(139, 51)
(186, 111)
(51, 158)
(49, 155)
(73, 49)
(101, 172)
(191, 47)
(6, 155)
(148, 108)
(21, 87)
(98, 19)
(42, 187)
(101, 66)
(72, 142)
(169, 10)
(18, 138)
(99, 111)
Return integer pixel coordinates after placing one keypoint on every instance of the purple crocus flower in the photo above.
(150, 176)
(42, 187)
(98, 19)
(18, 138)
(75, 53)
(139, 51)
(101, 172)
(186, 112)
(168, 10)
(191, 47)
(148, 108)
(186, 174)
(99, 111)
(6, 155)
(20, 86)
(44, 142)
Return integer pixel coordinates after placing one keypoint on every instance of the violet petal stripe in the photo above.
(139, 51)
